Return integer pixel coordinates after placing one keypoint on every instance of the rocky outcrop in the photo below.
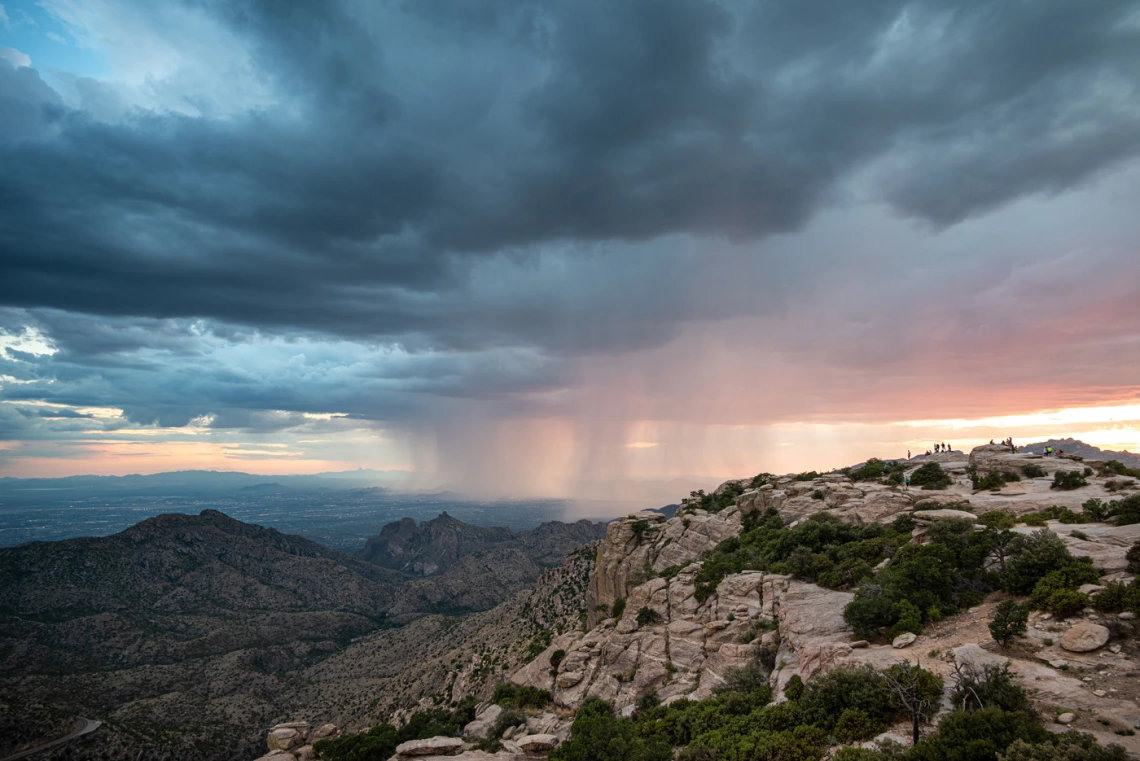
(685, 646)
(669, 642)
(479, 727)
(998, 457)
(642, 544)
(293, 740)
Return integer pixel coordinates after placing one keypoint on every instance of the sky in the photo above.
(563, 248)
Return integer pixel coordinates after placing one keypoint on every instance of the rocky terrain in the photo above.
(683, 647)
(635, 616)
(186, 633)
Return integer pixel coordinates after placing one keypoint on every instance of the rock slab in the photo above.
(433, 746)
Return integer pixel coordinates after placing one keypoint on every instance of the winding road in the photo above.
(82, 727)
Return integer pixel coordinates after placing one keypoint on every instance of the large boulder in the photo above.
(906, 639)
(433, 746)
(323, 732)
(288, 735)
(536, 743)
(1085, 637)
(483, 722)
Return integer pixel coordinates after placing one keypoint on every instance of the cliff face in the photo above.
(684, 646)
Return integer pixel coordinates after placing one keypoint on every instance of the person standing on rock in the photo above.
(908, 454)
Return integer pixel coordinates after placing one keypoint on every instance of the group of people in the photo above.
(938, 448)
(1007, 442)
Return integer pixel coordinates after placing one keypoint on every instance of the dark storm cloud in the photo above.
(354, 206)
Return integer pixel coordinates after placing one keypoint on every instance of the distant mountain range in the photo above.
(1088, 451)
(181, 620)
(203, 481)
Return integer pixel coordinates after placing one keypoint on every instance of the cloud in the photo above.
(4, 20)
(437, 218)
(15, 57)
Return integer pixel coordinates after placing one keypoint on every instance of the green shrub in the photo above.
(647, 615)
(1126, 512)
(872, 470)
(510, 695)
(1036, 555)
(908, 618)
(510, 717)
(822, 549)
(854, 724)
(1117, 597)
(997, 519)
(979, 735)
(618, 608)
(930, 476)
(556, 659)
(1033, 470)
(1067, 480)
(1133, 558)
(640, 528)
(1062, 603)
(1010, 620)
(648, 700)
(379, 743)
(716, 502)
(1117, 468)
(945, 574)
(749, 678)
(1114, 486)
(760, 480)
(993, 480)
(598, 735)
(810, 475)
(1095, 510)
(1056, 592)
(794, 689)
(827, 696)
(988, 687)
(1068, 746)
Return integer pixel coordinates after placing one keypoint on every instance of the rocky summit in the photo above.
(675, 611)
